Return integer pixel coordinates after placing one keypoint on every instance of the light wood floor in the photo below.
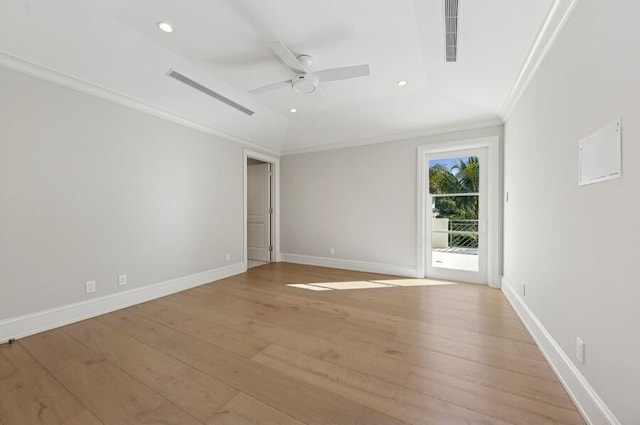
(250, 350)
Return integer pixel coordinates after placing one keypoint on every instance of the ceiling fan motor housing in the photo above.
(305, 84)
(306, 61)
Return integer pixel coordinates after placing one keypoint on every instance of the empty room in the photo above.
(319, 212)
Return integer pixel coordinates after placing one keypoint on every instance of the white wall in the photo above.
(90, 189)
(576, 248)
(360, 201)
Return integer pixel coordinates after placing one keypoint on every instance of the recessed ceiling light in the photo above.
(402, 83)
(293, 110)
(164, 26)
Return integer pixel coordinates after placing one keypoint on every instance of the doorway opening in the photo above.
(456, 248)
(458, 214)
(260, 209)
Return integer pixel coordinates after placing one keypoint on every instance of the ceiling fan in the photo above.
(306, 81)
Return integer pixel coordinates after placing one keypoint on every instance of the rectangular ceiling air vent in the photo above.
(208, 91)
(451, 30)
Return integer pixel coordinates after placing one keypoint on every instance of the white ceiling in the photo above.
(220, 44)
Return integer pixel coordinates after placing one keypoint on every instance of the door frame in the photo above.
(480, 275)
(276, 255)
(493, 199)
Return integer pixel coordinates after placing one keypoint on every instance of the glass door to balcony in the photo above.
(457, 216)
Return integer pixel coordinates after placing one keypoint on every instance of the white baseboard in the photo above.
(590, 405)
(29, 324)
(363, 266)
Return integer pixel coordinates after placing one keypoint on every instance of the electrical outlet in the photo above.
(91, 286)
(122, 280)
(332, 251)
(580, 350)
(228, 257)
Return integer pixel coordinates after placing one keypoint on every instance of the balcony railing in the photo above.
(449, 233)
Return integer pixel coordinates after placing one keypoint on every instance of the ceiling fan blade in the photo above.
(287, 56)
(272, 86)
(335, 74)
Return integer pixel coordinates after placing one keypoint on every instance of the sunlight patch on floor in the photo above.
(414, 282)
(310, 287)
(360, 284)
(369, 284)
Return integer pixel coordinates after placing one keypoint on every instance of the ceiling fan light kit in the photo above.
(305, 84)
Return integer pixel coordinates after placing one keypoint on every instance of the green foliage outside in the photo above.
(463, 177)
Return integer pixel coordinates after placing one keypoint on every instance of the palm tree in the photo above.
(463, 177)
(468, 174)
(442, 180)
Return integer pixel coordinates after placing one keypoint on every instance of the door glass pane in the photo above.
(454, 184)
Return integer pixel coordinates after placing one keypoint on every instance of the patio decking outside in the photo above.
(456, 258)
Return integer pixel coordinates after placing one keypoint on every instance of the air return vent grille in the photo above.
(451, 30)
(208, 92)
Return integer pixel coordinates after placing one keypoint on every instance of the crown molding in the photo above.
(44, 73)
(425, 132)
(555, 20)
(41, 72)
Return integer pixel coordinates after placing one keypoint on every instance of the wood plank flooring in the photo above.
(250, 350)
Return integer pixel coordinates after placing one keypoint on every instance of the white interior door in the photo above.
(456, 221)
(259, 212)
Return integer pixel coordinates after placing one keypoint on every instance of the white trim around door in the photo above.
(493, 199)
(275, 193)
